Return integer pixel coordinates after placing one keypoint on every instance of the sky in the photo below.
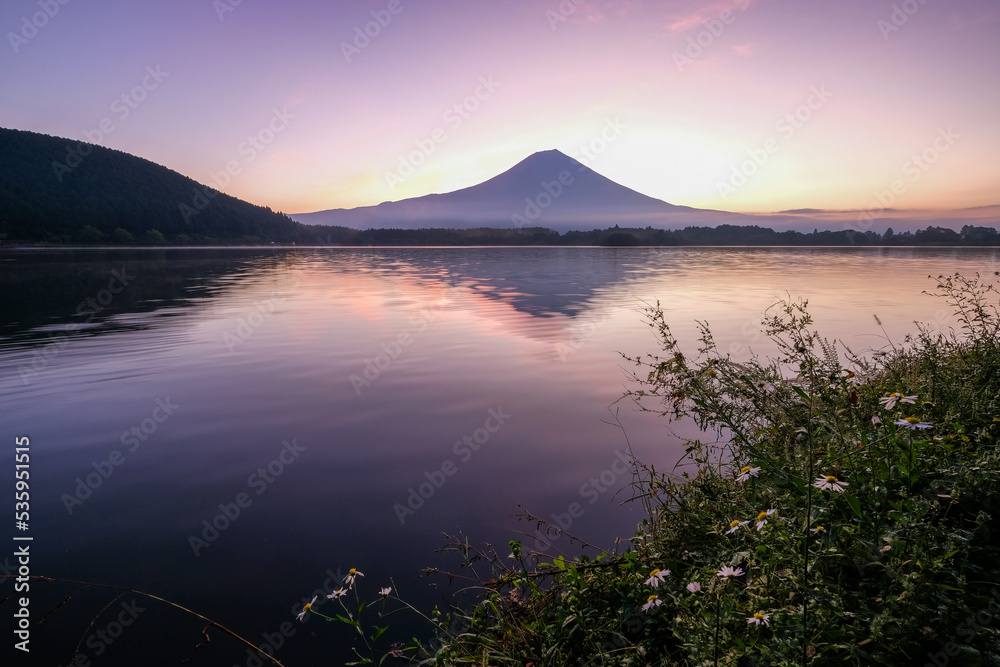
(737, 105)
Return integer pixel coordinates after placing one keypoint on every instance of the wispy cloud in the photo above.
(686, 19)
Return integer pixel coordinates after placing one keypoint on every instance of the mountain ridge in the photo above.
(547, 188)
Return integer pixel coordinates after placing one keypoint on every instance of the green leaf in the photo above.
(949, 588)
(349, 621)
(798, 390)
(855, 505)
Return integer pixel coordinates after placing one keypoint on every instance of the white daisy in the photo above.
(760, 619)
(306, 609)
(656, 577)
(912, 423)
(728, 571)
(890, 401)
(830, 483)
(653, 601)
(735, 525)
(339, 593)
(762, 518)
(746, 472)
(385, 591)
(352, 574)
(693, 587)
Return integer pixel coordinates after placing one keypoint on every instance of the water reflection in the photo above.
(259, 348)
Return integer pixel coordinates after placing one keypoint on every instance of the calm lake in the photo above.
(233, 429)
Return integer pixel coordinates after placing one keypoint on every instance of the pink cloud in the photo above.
(690, 20)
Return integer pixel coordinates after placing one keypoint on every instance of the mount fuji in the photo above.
(546, 189)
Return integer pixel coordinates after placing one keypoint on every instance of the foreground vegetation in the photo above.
(846, 514)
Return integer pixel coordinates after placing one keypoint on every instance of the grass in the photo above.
(842, 511)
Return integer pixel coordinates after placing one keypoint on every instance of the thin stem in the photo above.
(805, 559)
(718, 623)
(210, 622)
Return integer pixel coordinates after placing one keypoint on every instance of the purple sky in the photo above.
(744, 105)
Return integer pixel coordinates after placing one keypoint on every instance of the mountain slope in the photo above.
(546, 189)
(61, 190)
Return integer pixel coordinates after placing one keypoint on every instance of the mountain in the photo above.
(547, 189)
(66, 191)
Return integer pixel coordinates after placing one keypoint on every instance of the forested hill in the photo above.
(64, 191)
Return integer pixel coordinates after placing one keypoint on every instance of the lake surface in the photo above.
(353, 405)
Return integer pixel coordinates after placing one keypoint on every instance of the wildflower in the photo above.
(759, 618)
(653, 601)
(817, 529)
(306, 609)
(830, 483)
(339, 593)
(656, 577)
(352, 574)
(728, 571)
(895, 397)
(746, 472)
(735, 525)
(694, 587)
(385, 591)
(762, 518)
(876, 420)
(912, 423)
